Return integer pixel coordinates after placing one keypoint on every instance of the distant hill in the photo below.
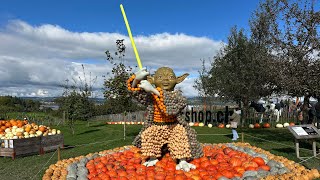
(51, 99)
(190, 100)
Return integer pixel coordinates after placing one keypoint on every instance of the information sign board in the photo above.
(305, 131)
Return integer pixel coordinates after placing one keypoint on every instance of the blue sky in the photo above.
(212, 19)
(43, 43)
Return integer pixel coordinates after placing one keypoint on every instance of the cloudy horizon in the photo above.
(36, 60)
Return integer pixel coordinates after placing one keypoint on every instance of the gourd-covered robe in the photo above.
(164, 125)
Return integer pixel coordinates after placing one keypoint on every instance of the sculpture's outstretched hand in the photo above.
(147, 86)
(151, 162)
(140, 75)
(185, 166)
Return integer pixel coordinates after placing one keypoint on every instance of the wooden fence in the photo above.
(195, 113)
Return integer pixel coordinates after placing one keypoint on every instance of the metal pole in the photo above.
(297, 148)
(242, 137)
(59, 154)
(124, 127)
(314, 147)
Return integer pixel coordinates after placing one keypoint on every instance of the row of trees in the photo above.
(15, 104)
(281, 55)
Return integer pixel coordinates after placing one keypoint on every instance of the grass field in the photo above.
(99, 136)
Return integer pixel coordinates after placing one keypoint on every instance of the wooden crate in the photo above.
(50, 143)
(15, 147)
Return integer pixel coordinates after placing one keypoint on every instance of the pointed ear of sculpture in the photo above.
(150, 79)
(182, 77)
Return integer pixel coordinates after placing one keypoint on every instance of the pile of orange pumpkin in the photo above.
(17, 129)
(218, 161)
(125, 122)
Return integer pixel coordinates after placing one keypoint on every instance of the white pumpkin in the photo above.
(49, 134)
(15, 137)
(201, 124)
(54, 131)
(210, 125)
(39, 133)
(20, 130)
(27, 136)
(7, 130)
(31, 135)
(191, 123)
(9, 135)
(58, 132)
(279, 126)
(286, 124)
(1, 135)
(14, 127)
(251, 126)
(228, 126)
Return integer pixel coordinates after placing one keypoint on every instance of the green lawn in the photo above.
(99, 136)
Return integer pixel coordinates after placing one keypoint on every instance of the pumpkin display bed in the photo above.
(19, 137)
(220, 161)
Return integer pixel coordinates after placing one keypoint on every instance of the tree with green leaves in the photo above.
(118, 99)
(201, 84)
(290, 30)
(241, 71)
(75, 102)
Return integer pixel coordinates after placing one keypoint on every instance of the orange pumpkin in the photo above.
(259, 161)
(19, 134)
(265, 167)
(239, 169)
(205, 164)
(292, 124)
(247, 164)
(8, 124)
(221, 125)
(20, 124)
(227, 150)
(256, 125)
(228, 174)
(235, 161)
(266, 125)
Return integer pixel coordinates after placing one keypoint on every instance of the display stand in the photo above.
(305, 132)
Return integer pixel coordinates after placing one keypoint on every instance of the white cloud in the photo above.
(36, 60)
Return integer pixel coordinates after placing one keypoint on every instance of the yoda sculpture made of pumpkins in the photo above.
(164, 124)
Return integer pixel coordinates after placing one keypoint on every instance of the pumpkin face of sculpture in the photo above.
(166, 79)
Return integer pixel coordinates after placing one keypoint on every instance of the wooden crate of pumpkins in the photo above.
(22, 138)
